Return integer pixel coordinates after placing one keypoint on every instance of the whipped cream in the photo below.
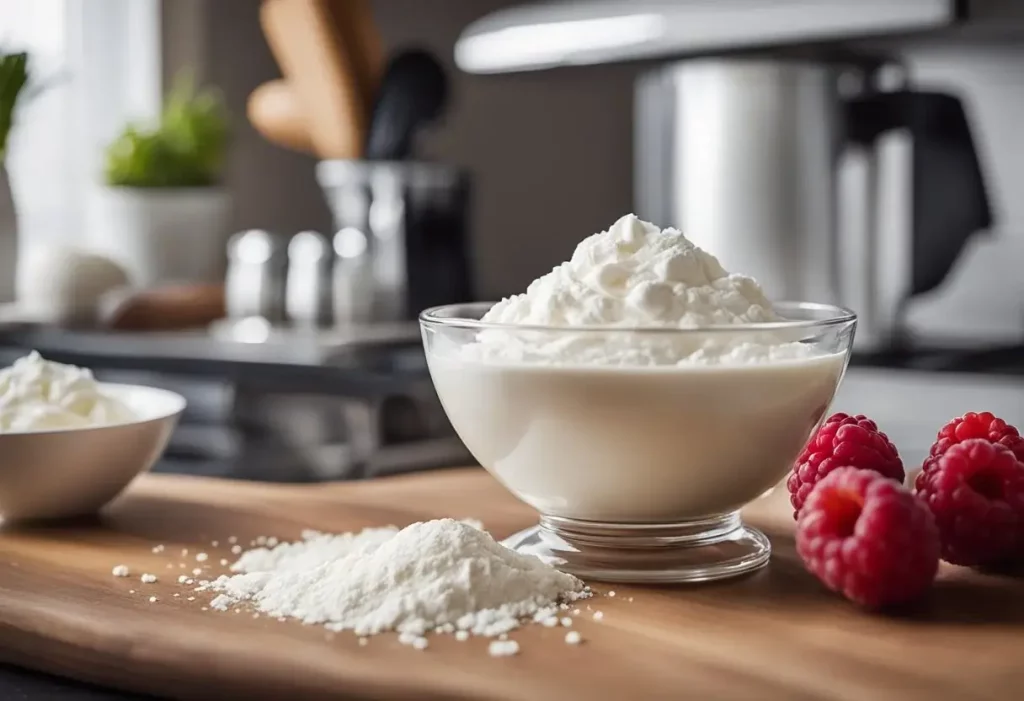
(39, 395)
(636, 276)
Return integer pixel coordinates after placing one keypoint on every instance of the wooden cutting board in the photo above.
(775, 635)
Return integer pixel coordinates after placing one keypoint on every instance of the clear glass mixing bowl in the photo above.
(637, 463)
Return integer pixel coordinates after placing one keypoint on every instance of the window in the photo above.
(97, 63)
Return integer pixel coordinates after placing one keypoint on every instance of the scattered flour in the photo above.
(445, 576)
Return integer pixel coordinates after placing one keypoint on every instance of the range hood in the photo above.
(546, 35)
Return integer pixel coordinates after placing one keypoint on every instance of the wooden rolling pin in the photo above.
(170, 308)
(319, 67)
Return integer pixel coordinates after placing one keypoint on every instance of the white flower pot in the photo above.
(8, 239)
(161, 235)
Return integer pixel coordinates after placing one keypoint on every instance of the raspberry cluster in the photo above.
(866, 536)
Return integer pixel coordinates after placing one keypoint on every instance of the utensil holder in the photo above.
(401, 237)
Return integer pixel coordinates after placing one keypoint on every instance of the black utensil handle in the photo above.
(950, 201)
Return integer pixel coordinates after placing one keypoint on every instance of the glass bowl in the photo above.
(639, 446)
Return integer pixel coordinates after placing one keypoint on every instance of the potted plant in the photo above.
(162, 210)
(13, 77)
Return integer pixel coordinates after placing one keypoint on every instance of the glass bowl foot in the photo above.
(644, 553)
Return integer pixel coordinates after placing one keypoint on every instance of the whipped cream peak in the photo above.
(599, 308)
(40, 395)
(637, 275)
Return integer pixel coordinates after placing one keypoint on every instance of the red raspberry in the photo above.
(976, 491)
(864, 535)
(971, 425)
(983, 425)
(842, 441)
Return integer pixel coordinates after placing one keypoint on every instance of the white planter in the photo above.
(161, 235)
(8, 239)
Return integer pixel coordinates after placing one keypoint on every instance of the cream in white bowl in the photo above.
(69, 444)
(638, 396)
(637, 444)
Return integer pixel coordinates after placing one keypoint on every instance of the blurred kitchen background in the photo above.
(383, 156)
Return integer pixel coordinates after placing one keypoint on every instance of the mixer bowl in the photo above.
(74, 472)
(638, 447)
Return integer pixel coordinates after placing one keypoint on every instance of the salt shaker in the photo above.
(308, 297)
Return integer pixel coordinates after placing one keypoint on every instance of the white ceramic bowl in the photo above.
(75, 472)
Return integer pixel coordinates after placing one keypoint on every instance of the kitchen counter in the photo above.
(909, 406)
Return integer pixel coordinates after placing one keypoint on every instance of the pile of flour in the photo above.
(635, 276)
(442, 575)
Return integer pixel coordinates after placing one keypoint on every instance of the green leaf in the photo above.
(13, 76)
(187, 149)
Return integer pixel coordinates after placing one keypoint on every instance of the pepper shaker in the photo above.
(254, 286)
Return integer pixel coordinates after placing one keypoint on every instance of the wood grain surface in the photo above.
(774, 635)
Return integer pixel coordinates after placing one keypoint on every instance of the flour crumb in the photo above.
(191, 598)
(630, 599)
(223, 562)
(131, 591)
(153, 599)
(182, 578)
(148, 578)
(197, 571)
(420, 643)
(473, 523)
(549, 622)
(575, 612)
(503, 648)
(363, 642)
(440, 576)
(566, 622)
(233, 539)
(158, 549)
(462, 635)
(202, 557)
(236, 549)
(573, 637)
(176, 595)
(120, 571)
(598, 615)
(214, 543)
(184, 552)
(190, 581)
(272, 541)
(611, 594)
